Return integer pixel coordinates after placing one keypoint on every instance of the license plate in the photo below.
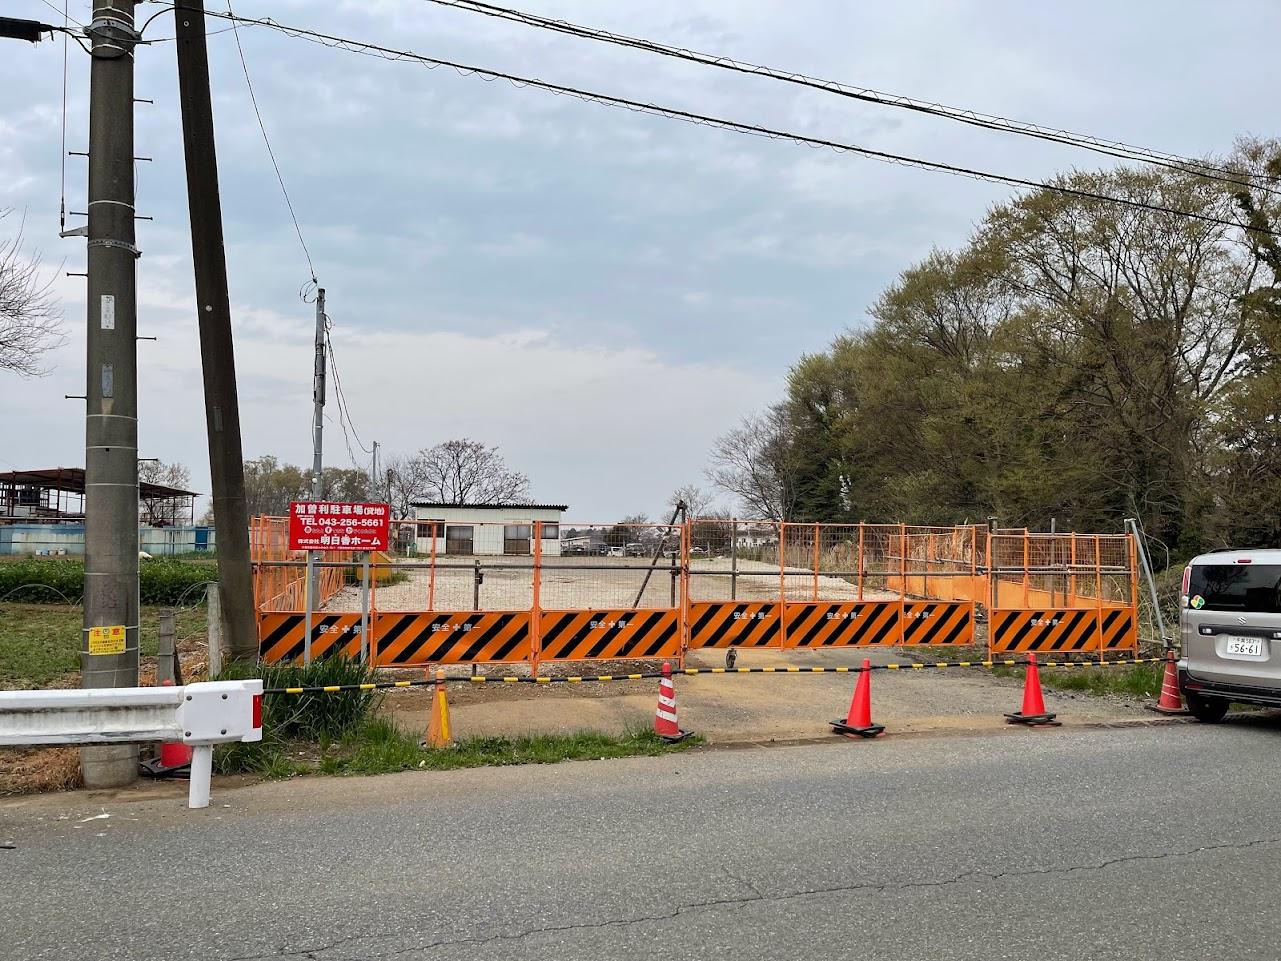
(1243, 647)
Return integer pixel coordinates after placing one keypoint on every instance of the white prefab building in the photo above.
(485, 529)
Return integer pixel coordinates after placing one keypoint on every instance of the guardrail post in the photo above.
(201, 775)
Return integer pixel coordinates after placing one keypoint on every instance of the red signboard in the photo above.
(332, 526)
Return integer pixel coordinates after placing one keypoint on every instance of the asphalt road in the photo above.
(1136, 843)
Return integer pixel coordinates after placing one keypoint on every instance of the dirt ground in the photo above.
(755, 707)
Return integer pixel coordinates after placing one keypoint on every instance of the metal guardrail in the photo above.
(201, 715)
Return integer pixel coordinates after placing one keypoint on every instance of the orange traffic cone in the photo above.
(665, 723)
(858, 723)
(174, 759)
(1170, 701)
(438, 724)
(1033, 713)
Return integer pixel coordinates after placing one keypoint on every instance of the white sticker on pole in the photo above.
(108, 311)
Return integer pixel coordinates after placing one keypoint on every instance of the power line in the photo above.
(1111, 148)
(267, 140)
(388, 53)
(344, 411)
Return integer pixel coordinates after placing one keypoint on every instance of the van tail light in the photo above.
(1187, 579)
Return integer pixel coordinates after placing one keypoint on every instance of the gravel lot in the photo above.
(606, 582)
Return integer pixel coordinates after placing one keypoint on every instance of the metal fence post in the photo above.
(1098, 593)
(364, 609)
(733, 560)
(535, 609)
(475, 584)
(782, 583)
(861, 525)
(817, 559)
(309, 591)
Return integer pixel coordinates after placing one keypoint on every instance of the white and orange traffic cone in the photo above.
(1171, 700)
(665, 724)
(438, 734)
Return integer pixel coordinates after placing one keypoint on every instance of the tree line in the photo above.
(1076, 359)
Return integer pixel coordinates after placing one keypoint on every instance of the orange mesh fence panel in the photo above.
(733, 560)
(1062, 593)
(457, 637)
(607, 634)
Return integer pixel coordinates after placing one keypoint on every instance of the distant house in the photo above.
(485, 529)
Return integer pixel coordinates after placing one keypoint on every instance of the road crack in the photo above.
(757, 896)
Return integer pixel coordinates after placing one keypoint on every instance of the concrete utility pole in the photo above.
(317, 448)
(318, 403)
(110, 658)
(217, 354)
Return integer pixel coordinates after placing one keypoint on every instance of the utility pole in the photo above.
(317, 458)
(110, 658)
(217, 353)
(373, 470)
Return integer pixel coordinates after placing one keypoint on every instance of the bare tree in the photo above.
(30, 323)
(754, 462)
(408, 483)
(165, 511)
(469, 472)
(697, 500)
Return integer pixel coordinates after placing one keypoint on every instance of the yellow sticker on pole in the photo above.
(107, 640)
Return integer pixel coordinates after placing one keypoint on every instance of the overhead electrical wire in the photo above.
(366, 48)
(253, 99)
(1111, 148)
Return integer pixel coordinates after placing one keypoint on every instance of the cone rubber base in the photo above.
(1033, 720)
(674, 738)
(1169, 711)
(153, 768)
(872, 730)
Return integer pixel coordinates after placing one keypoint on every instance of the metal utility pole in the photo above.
(373, 470)
(109, 658)
(217, 353)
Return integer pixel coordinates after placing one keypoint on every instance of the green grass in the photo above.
(61, 580)
(39, 643)
(1139, 680)
(379, 747)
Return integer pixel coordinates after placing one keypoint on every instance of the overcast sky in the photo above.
(597, 292)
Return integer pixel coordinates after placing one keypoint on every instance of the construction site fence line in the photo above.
(903, 666)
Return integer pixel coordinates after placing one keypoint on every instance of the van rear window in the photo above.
(1247, 588)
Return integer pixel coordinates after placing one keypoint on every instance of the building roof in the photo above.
(71, 480)
(495, 507)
